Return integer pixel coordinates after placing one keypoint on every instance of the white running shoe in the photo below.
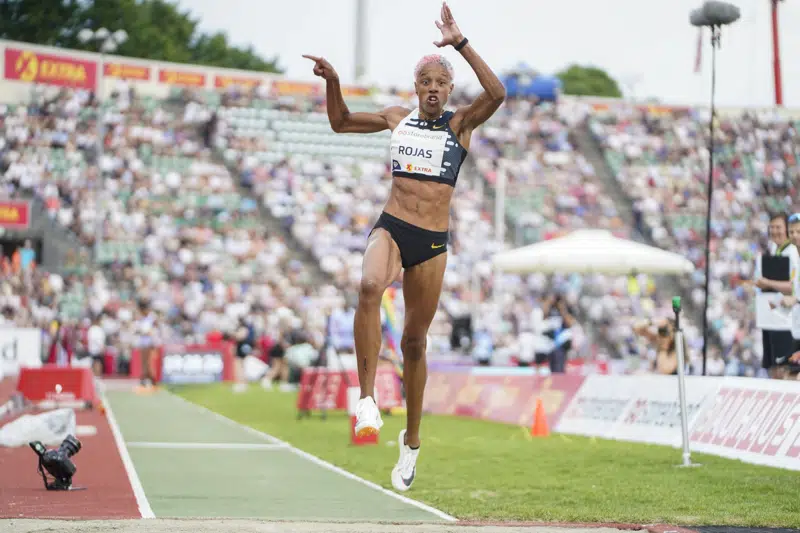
(405, 470)
(368, 418)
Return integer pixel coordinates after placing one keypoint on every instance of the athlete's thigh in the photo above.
(422, 286)
(382, 263)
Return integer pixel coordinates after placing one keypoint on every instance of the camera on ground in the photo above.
(58, 463)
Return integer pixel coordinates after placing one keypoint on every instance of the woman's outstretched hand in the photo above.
(322, 68)
(451, 35)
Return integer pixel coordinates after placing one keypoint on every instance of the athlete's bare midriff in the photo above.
(425, 204)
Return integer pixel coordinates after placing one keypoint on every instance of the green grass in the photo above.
(482, 470)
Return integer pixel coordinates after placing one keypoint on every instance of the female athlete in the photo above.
(428, 146)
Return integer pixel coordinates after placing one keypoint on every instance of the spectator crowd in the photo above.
(661, 160)
(200, 210)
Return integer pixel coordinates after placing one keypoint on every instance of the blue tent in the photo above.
(543, 86)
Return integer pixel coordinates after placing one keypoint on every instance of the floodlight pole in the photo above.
(715, 38)
(776, 55)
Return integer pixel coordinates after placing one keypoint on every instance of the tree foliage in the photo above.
(157, 29)
(588, 81)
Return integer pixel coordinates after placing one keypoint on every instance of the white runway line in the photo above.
(206, 446)
(136, 484)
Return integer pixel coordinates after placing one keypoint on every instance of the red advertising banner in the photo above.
(125, 71)
(757, 425)
(221, 82)
(33, 67)
(501, 398)
(54, 382)
(325, 388)
(15, 215)
(584, 367)
(652, 109)
(181, 77)
(354, 91)
(285, 87)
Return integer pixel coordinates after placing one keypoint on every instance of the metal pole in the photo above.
(710, 192)
(361, 41)
(682, 391)
(98, 239)
(676, 307)
(499, 229)
(776, 56)
(500, 207)
(100, 86)
(475, 289)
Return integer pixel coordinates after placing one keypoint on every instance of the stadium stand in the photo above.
(660, 158)
(178, 244)
(212, 204)
(329, 188)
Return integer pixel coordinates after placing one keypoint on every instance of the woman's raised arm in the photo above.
(341, 119)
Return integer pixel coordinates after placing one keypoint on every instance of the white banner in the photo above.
(754, 420)
(778, 318)
(19, 347)
(654, 413)
(599, 404)
(635, 408)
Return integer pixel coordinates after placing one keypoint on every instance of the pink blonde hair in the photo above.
(433, 59)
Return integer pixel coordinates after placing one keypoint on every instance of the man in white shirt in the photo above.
(146, 329)
(96, 346)
(778, 343)
(340, 329)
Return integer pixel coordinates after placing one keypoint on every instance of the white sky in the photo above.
(649, 42)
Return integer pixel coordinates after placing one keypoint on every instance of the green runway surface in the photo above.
(478, 470)
(193, 464)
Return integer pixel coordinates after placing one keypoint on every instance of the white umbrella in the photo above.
(591, 251)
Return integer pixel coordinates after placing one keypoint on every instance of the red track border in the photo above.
(108, 493)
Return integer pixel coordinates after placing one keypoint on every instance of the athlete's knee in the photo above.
(370, 291)
(413, 345)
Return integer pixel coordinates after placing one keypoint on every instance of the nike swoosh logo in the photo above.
(407, 481)
(435, 247)
(439, 127)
